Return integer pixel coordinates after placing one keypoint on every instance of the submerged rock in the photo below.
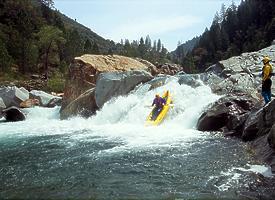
(13, 114)
(189, 79)
(158, 81)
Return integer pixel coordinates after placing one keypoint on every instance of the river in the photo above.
(113, 155)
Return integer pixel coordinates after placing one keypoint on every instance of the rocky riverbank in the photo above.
(93, 80)
(13, 100)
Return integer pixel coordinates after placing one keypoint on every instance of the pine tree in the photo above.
(141, 48)
(159, 46)
(87, 47)
(48, 38)
(95, 49)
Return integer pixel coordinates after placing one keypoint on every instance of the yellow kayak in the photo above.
(156, 120)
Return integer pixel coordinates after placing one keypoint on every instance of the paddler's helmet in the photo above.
(157, 95)
(266, 59)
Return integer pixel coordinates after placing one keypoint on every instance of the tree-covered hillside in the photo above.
(248, 27)
(35, 38)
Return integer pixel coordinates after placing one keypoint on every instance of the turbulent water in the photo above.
(113, 155)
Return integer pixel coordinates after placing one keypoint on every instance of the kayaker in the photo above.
(159, 102)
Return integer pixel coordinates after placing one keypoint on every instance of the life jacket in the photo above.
(159, 101)
(267, 71)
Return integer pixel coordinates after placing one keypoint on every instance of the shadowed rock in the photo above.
(84, 106)
(13, 114)
(228, 114)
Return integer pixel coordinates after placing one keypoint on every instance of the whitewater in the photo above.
(113, 155)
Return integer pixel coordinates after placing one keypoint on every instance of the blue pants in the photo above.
(267, 96)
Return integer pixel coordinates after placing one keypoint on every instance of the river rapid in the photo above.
(113, 155)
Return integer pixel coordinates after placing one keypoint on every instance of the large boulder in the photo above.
(84, 105)
(45, 99)
(251, 127)
(271, 137)
(13, 96)
(228, 114)
(112, 84)
(13, 114)
(259, 122)
(84, 72)
(2, 107)
(241, 73)
(2, 104)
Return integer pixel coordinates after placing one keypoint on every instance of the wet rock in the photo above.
(13, 114)
(157, 82)
(54, 102)
(264, 152)
(259, 122)
(84, 105)
(228, 114)
(189, 79)
(112, 84)
(271, 137)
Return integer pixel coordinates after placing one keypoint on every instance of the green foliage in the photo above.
(56, 83)
(143, 49)
(73, 46)
(95, 49)
(63, 67)
(87, 47)
(5, 58)
(48, 39)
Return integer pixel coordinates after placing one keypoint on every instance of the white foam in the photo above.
(235, 174)
(123, 119)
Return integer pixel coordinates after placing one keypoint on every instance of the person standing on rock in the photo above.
(266, 79)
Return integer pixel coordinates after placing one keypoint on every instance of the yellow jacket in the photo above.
(267, 70)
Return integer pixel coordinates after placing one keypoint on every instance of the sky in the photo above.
(170, 21)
